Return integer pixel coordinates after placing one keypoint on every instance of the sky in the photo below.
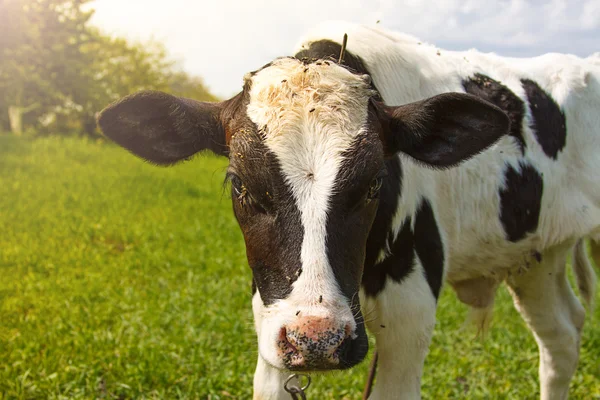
(221, 40)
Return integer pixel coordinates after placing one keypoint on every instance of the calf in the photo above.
(361, 186)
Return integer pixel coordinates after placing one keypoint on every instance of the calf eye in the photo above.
(239, 190)
(374, 189)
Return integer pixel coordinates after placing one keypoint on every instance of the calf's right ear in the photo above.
(162, 128)
(444, 130)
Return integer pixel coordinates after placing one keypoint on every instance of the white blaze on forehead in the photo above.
(310, 114)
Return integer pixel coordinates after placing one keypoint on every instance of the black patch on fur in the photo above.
(396, 266)
(425, 240)
(352, 214)
(496, 93)
(268, 215)
(400, 263)
(428, 244)
(349, 223)
(548, 121)
(520, 201)
(330, 50)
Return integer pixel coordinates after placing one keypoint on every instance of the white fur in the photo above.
(309, 147)
(402, 319)
(466, 200)
(268, 380)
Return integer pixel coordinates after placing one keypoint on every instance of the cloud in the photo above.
(590, 18)
(221, 41)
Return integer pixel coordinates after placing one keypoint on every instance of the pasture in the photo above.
(119, 279)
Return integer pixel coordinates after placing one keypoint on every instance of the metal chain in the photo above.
(297, 390)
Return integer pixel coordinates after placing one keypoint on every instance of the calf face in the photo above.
(306, 144)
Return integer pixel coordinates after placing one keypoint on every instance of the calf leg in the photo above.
(402, 318)
(546, 301)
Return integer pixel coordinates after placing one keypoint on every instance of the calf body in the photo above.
(347, 186)
(509, 214)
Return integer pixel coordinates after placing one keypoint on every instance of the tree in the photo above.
(39, 54)
(182, 84)
(116, 68)
(57, 71)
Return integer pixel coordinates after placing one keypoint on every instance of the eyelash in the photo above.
(239, 189)
(242, 195)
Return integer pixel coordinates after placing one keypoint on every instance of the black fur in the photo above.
(352, 213)
(164, 129)
(425, 240)
(329, 50)
(549, 123)
(374, 276)
(267, 214)
(349, 223)
(444, 130)
(520, 201)
(496, 93)
(428, 243)
(396, 266)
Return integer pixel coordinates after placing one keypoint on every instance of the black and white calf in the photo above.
(342, 185)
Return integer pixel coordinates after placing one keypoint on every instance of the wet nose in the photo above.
(313, 343)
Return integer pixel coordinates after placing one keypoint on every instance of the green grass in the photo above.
(119, 279)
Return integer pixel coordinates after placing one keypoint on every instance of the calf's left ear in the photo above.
(444, 130)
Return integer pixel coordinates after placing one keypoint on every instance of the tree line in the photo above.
(57, 70)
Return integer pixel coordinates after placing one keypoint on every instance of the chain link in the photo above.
(296, 389)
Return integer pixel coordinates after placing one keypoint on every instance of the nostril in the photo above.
(282, 333)
(284, 340)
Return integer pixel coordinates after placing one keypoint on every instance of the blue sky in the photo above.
(222, 40)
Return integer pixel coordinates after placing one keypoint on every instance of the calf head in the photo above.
(306, 144)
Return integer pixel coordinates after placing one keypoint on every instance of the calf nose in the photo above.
(313, 343)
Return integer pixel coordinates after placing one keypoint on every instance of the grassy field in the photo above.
(123, 280)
